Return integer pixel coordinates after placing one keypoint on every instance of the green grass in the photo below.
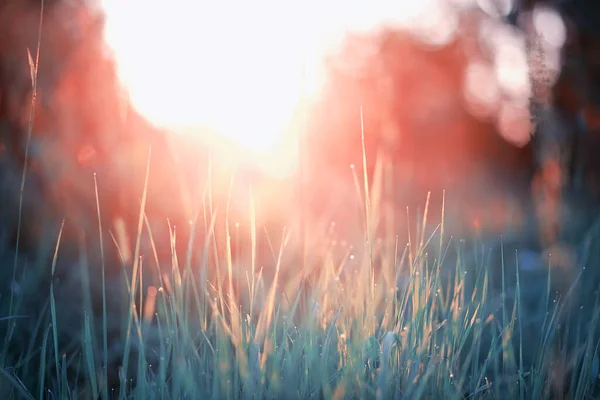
(436, 318)
(417, 321)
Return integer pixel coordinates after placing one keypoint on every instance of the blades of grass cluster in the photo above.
(33, 68)
(17, 384)
(545, 348)
(190, 277)
(164, 357)
(126, 350)
(505, 323)
(368, 221)
(520, 315)
(42, 373)
(328, 337)
(384, 380)
(233, 306)
(141, 362)
(28, 355)
(217, 264)
(213, 213)
(266, 316)
(177, 290)
(156, 260)
(592, 345)
(203, 272)
(104, 312)
(253, 249)
(424, 224)
(88, 351)
(53, 307)
(367, 192)
(89, 325)
(441, 248)
(64, 384)
(418, 269)
(208, 215)
(136, 322)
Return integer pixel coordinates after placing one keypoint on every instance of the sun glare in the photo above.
(227, 66)
(236, 68)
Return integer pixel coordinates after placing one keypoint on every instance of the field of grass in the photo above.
(434, 318)
(419, 315)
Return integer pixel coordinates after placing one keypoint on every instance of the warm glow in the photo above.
(238, 68)
(187, 63)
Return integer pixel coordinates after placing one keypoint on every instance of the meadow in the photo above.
(431, 305)
(434, 316)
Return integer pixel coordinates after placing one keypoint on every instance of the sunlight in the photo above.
(183, 66)
(236, 68)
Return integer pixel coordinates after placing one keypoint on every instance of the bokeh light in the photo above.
(549, 24)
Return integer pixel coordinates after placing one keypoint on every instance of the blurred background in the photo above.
(262, 109)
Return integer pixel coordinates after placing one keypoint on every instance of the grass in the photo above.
(425, 320)
(436, 318)
(415, 314)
